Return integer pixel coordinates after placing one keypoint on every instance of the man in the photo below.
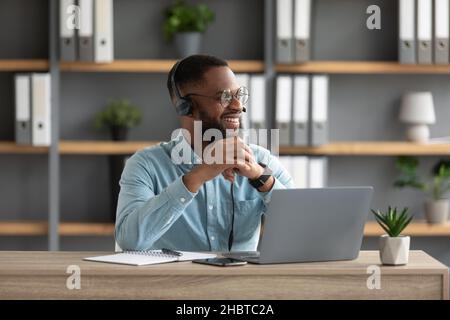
(199, 206)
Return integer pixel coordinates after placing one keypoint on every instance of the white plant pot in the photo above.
(394, 250)
(436, 211)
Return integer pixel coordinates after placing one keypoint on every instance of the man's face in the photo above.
(209, 110)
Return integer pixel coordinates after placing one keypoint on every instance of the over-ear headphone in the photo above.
(183, 105)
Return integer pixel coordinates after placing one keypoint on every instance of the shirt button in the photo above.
(182, 199)
(213, 238)
(210, 207)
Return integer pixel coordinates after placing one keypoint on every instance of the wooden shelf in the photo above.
(86, 229)
(151, 66)
(370, 148)
(24, 65)
(37, 228)
(347, 148)
(362, 67)
(10, 147)
(417, 229)
(103, 147)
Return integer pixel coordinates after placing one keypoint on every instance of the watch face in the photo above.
(267, 171)
(259, 182)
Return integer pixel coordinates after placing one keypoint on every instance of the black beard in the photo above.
(209, 123)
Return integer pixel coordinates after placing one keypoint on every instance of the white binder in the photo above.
(283, 108)
(441, 31)
(258, 102)
(319, 110)
(302, 30)
(407, 37)
(317, 172)
(23, 108)
(41, 108)
(86, 31)
(67, 27)
(286, 162)
(285, 39)
(104, 26)
(301, 110)
(424, 31)
(300, 171)
(243, 81)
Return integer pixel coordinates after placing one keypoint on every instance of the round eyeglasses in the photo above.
(226, 96)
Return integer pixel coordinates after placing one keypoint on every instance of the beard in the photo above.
(211, 123)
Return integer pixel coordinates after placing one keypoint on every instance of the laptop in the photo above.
(310, 225)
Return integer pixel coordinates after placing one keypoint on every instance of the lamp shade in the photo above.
(418, 108)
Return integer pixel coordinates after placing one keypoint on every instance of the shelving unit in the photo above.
(40, 228)
(361, 67)
(10, 147)
(348, 148)
(151, 66)
(103, 147)
(23, 65)
(55, 228)
(370, 148)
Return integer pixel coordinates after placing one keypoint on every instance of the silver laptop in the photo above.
(306, 225)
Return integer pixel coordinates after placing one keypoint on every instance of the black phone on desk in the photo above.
(222, 262)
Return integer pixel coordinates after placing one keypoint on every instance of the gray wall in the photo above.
(363, 107)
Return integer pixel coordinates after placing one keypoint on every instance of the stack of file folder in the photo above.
(86, 30)
(302, 109)
(33, 109)
(293, 20)
(307, 172)
(424, 31)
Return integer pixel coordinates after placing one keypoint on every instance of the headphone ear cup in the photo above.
(184, 106)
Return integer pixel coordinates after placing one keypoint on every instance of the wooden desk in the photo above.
(42, 275)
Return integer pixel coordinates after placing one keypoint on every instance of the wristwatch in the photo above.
(262, 179)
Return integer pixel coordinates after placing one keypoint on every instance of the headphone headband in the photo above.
(183, 105)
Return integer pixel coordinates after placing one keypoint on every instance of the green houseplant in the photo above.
(185, 24)
(436, 205)
(393, 247)
(119, 116)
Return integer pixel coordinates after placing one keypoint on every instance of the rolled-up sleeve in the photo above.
(142, 216)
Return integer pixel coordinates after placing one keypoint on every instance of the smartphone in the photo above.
(222, 262)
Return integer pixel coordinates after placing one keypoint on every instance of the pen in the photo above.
(172, 252)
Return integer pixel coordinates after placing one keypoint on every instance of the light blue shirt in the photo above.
(155, 209)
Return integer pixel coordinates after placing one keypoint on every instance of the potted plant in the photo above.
(394, 248)
(119, 116)
(185, 24)
(436, 205)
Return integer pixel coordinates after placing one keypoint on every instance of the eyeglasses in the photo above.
(226, 96)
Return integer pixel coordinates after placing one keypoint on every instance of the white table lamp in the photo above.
(417, 110)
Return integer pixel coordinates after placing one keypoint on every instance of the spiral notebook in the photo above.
(141, 258)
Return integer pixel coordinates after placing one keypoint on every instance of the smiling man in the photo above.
(199, 205)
